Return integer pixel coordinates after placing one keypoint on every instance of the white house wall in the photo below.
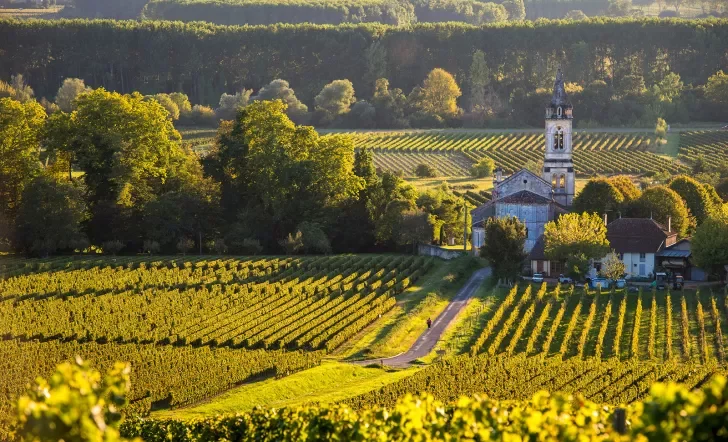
(632, 264)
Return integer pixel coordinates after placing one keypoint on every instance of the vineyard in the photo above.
(199, 140)
(212, 322)
(609, 347)
(711, 146)
(452, 153)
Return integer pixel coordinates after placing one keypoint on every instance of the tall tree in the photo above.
(576, 234)
(626, 188)
(389, 105)
(21, 126)
(479, 80)
(440, 92)
(334, 100)
(504, 247)
(662, 203)
(50, 216)
(68, 92)
(695, 195)
(709, 244)
(281, 90)
(275, 174)
(598, 196)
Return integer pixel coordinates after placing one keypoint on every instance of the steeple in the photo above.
(559, 108)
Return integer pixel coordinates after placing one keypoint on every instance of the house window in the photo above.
(621, 256)
(643, 257)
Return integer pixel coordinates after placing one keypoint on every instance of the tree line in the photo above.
(614, 64)
(106, 171)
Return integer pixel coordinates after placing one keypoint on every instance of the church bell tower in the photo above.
(558, 167)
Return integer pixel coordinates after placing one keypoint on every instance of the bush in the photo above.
(112, 247)
(292, 244)
(483, 168)
(251, 246)
(184, 245)
(151, 247)
(203, 116)
(217, 245)
(425, 171)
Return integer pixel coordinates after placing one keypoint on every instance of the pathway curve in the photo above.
(427, 341)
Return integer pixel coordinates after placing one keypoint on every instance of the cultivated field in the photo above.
(712, 146)
(191, 328)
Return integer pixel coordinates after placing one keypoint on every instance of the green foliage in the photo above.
(334, 100)
(425, 171)
(577, 266)
(661, 129)
(75, 404)
(697, 199)
(280, 90)
(479, 80)
(626, 187)
(503, 247)
(230, 104)
(716, 88)
(576, 234)
(49, 217)
(662, 203)
(313, 238)
(598, 196)
(709, 244)
(439, 96)
(483, 168)
(168, 104)
(389, 104)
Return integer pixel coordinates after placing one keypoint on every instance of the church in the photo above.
(533, 199)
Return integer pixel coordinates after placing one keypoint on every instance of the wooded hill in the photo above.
(205, 60)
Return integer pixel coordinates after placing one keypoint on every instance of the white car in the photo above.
(565, 280)
(537, 277)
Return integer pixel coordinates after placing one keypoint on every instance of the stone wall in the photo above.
(430, 250)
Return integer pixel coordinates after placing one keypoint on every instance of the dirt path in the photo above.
(427, 341)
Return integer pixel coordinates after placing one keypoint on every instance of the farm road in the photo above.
(426, 342)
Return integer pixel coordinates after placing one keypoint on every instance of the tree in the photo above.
(696, 197)
(334, 100)
(619, 8)
(504, 247)
(483, 168)
(661, 129)
(275, 175)
(68, 92)
(184, 245)
(490, 12)
(612, 266)
(362, 115)
(281, 90)
(663, 203)
(626, 187)
(576, 234)
(516, 9)
(440, 92)
(129, 152)
(425, 171)
(229, 104)
(75, 404)
(313, 238)
(49, 217)
(17, 89)
(598, 196)
(576, 15)
(389, 105)
(414, 227)
(479, 81)
(182, 102)
(709, 244)
(21, 126)
(716, 89)
(669, 88)
(292, 244)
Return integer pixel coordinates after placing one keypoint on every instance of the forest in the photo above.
(607, 58)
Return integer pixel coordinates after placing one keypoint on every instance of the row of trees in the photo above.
(111, 172)
(610, 59)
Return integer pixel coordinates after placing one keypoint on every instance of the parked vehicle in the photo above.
(633, 289)
(600, 282)
(565, 280)
(537, 277)
(621, 283)
(678, 282)
(660, 282)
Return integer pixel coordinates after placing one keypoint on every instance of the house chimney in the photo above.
(605, 219)
(669, 224)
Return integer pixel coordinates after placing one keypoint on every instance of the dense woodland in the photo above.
(612, 62)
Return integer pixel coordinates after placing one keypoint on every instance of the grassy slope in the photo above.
(398, 329)
(327, 383)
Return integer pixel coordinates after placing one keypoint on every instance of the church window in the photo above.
(558, 111)
(559, 139)
(562, 181)
(554, 180)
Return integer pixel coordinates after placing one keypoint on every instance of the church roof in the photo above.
(522, 172)
(559, 97)
(524, 197)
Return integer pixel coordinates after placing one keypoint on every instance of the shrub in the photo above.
(112, 247)
(483, 168)
(425, 171)
(151, 247)
(184, 245)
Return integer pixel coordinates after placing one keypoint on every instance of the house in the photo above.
(533, 199)
(678, 259)
(637, 241)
